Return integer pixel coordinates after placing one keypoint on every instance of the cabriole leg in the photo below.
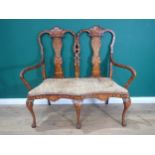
(77, 105)
(29, 104)
(127, 103)
(107, 101)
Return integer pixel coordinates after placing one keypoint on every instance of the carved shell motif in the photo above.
(96, 31)
(57, 32)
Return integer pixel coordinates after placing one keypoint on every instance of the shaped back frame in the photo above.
(95, 34)
(56, 35)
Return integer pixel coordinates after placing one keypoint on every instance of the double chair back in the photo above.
(95, 33)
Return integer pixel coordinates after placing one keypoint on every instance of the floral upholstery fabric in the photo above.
(77, 86)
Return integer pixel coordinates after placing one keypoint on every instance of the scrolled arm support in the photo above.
(133, 72)
(22, 73)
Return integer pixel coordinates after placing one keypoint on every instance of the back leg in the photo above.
(77, 105)
(107, 101)
(49, 103)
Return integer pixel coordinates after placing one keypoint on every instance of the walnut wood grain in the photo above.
(77, 57)
(96, 45)
(57, 34)
(57, 45)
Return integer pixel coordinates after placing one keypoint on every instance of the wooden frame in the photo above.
(57, 35)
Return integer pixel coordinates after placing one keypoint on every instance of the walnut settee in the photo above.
(77, 88)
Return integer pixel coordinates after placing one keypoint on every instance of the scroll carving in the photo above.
(57, 45)
(57, 35)
(96, 34)
(96, 44)
(77, 57)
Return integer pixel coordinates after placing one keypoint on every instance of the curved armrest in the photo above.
(133, 72)
(35, 66)
(26, 70)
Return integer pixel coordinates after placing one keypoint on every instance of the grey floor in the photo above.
(60, 119)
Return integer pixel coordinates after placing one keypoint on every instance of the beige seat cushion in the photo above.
(77, 86)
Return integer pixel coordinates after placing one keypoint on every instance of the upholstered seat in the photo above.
(77, 86)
